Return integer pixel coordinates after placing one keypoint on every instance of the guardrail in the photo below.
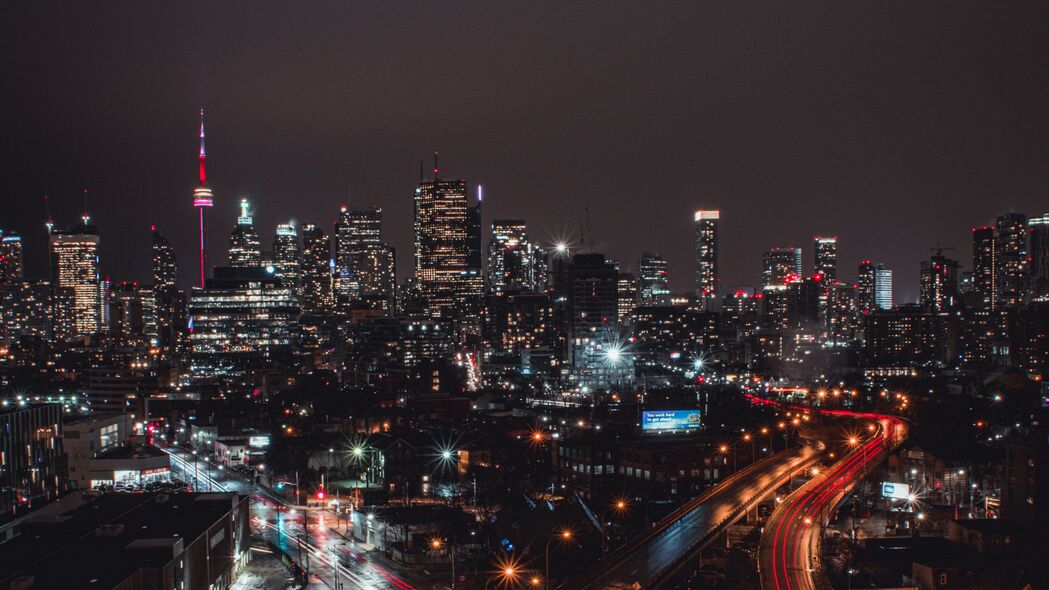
(821, 581)
(614, 559)
(668, 572)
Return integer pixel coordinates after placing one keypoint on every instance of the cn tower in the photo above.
(202, 200)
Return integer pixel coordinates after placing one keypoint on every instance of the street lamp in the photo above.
(507, 574)
(619, 506)
(564, 535)
(436, 543)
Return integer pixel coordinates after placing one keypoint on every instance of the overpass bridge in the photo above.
(660, 553)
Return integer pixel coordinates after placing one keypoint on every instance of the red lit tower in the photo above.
(202, 200)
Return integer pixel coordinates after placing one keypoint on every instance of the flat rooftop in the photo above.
(64, 551)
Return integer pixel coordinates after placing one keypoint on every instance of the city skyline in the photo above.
(572, 296)
(985, 154)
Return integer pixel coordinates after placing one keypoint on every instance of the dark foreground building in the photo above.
(132, 542)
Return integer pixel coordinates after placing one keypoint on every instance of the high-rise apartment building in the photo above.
(133, 315)
(782, 266)
(825, 249)
(627, 297)
(985, 267)
(10, 257)
(707, 276)
(1038, 229)
(364, 264)
(165, 265)
(865, 287)
(1010, 232)
(592, 309)
(873, 287)
(74, 266)
(939, 283)
(653, 278)
(514, 262)
(316, 281)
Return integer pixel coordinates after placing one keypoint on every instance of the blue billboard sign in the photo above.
(670, 420)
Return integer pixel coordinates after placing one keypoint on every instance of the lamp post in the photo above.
(279, 506)
(564, 536)
(437, 544)
(619, 506)
(724, 451)
(196, 480)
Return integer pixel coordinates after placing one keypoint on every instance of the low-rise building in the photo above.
(133, 542)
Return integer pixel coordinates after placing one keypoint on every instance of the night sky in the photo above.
(893, 124)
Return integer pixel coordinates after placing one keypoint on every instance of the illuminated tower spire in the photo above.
(48, 222)
(86, 217)
(202, 200)
(203, 154)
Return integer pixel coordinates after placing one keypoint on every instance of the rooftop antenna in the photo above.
(435, 169)
(421, 175)
(85, 216)
(589, 231)
(48, 222)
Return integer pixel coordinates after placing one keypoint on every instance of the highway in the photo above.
(682, 534)
(789, 549)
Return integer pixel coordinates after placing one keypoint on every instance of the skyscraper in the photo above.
(707, 277)
(865, 287)
(1038, 227)
(883, 298)
(939, 283)
(441, 245)
(74, 266)
(782, 266)
(364, 264)
(203, 199)
(592, 313)
(627, 290)
(514, 262)
(653, 277)
(286, 259)
(316, 281)
(10, 257)
(985, 267)
(133, 315)
(826, 262)
(1010, 231)
(245, 249)
(353, 230)
(165, 265)
(841, 316)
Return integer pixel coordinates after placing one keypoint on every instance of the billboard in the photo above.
(897, 491)
(670, 420)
